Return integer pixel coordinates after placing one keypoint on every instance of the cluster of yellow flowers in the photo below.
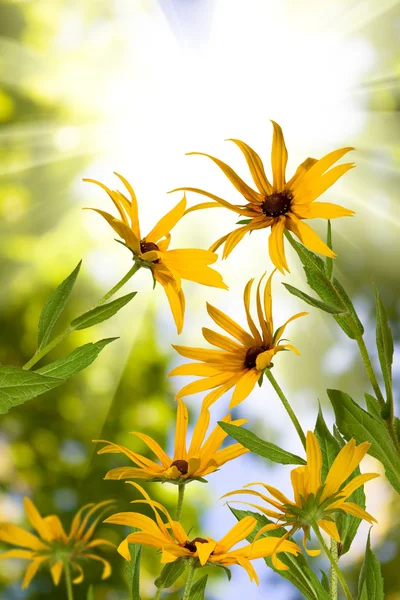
(236, 362)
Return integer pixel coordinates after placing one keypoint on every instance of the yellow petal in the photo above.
(55, 528)
(279, 158)
(220, 391)
(202, 206)
(239, 532)
(198, 369)
(230, 326)
(357, 511)
(131, 473)
(112, 197)
(167, 222)
(300, 478)
(230, 453)
(199, 432)
(134, 207)
(155, 447)
(353, 485)
(256, 168)
(219, 340)
(300, 173)
(252, 326)
(282, 328)
(267, 334)
(248, 567)
(36, 520)
(244, 387)
(204, 384)
(278, 564)
(344, 464)
(319, 167)
(263, 360)
(315, 552)
(322, 210)
(330, 528)
(182, 419)
(204, 550)
(307, 236)
(314, 462)
(11, 534)
(106, 565)
(17, 553)
(191, 264)
(56, 571)
(276, 245)
(268, 302)
(221, 201)
(242, 187)
(314, 188)
(175, 297)
(32, 570)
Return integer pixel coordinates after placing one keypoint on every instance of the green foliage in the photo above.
(373, 406)
(78, 359)
(330, 292)
(101, 313)
(55, 306)
(198, 590)
(299, 573)
(329, 261)
(370, 584)
(313, 301)
(170, 573)
(17, 386)
(354, 421)
(258, 446)
(384, 343)
(330, 448)
(325, 581)
(90, 594)
(132, 571)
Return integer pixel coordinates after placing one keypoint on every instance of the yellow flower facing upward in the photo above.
(282, 204)
(53, 547)
(202, 458)
(168, 267)
(173, 541)
(240, 363)
(316, 502)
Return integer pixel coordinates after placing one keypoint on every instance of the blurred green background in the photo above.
(91, 87)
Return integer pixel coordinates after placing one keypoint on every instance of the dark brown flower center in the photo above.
(148, 247)
(191, 545)
(251, 356)
(181, 465)
(277, 204)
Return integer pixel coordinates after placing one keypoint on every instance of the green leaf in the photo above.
(349, 306)
(170, 573)
(101, 313)
(90, 594)
(314, 301)
(77, 360)
(354, 421)
(299, 573)
(258, 446)
(370, 584)
(325, 581)
(384, 343)
(330, 448)
(244, 222)
(54, 306)
(373, 406)
(17, 386)
(329, 261)
(198, 590)
(132, 570)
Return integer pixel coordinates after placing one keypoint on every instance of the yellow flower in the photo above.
(282, 205)
(241, 362)
(174, 543)
(167, 266)
(316, 502)
(53, 547)
(202, 458)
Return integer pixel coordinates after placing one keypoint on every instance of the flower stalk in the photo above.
(333, 562)
(333, 587)
(68, 581)
(39, 354)
(286, 404)
(190, 579)
(181, 494)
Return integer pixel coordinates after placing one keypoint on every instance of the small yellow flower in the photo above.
(167, 266)
(174, 543)
(316, 502)
(241, 363)
(54, 548)
(282, 205)
(202, 458)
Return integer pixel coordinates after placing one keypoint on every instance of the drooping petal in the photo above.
(32, 570)
(220, 391)
(56, 572)
(330, 528)
(106, 565)
(167, 222)
(279, 157)
(182, 419)
(314, 552)
(204, 384)
(192, 264)
(307, 236)
(204, 550)
(244, 387)
(264, 359)
(256, 167)
(175, 298)
(276, 245)
(221, 201)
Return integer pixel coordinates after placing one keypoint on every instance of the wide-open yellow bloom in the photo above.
(202, 458)
(241, 363)
(53, 547)
(282, 204)
(167, 266)
(315, 501)
(174, 543)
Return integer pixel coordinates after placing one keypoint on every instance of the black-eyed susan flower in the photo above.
(174, 543)
(203, 456)
(53, 547)
(282, 204)
(168, 267)
(316, 502)
(238, 363)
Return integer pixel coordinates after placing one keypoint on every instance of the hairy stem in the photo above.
(39, 354)
(333, 587)
(287, 406)
(333, 562)
(68, 582)
(181, 494)
(190, 579)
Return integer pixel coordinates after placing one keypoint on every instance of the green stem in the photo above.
(158, 594)
(181, 494)
(68, 582)
(333, 587)
(39, 354)
(333, 562)
(370, 370)
(190, 579)
(287, 406)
